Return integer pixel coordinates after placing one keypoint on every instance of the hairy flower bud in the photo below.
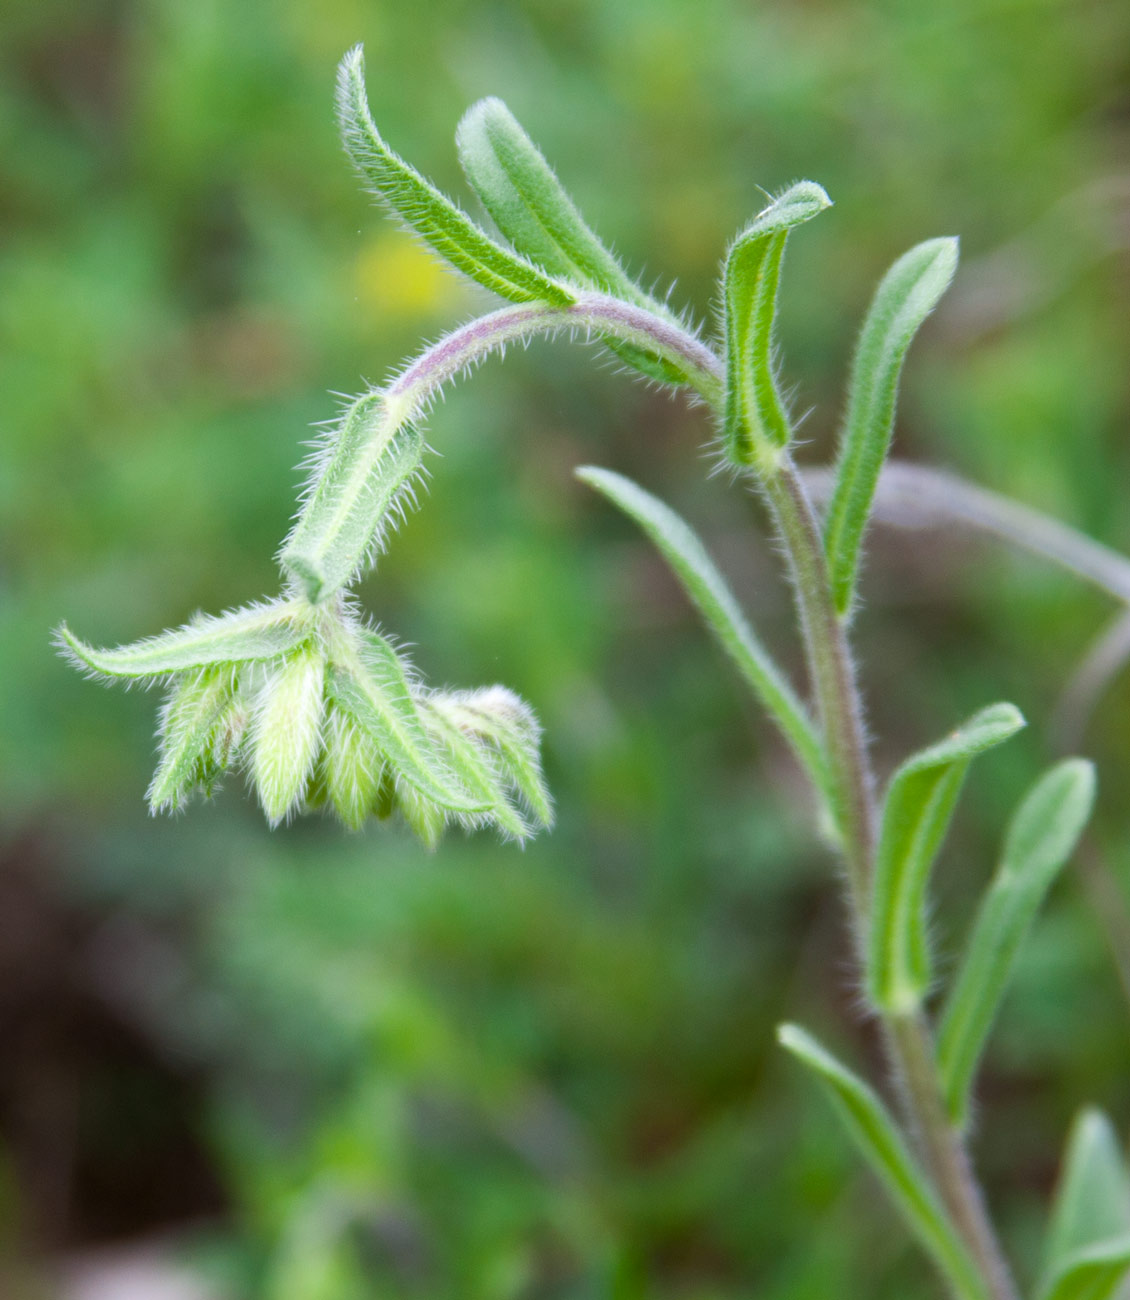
(351, 769)
(196, 719)
(286, 730)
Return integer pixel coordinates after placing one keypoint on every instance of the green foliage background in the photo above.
(490, 1073)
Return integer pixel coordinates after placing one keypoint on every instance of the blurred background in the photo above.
(305, 1065)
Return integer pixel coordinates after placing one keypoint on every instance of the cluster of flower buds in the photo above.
(322, 710)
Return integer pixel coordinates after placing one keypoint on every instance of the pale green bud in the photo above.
(505, 724)
(286, 730)
(196, 733)
(424, 817)
(478, 768)
(351, 769)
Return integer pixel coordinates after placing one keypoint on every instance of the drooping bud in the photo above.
(194, 720)
(287, 729)
(477, 767)
(351, 769)
(424, 817)
(504, 722)
(369, 681)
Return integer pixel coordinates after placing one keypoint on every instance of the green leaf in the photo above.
(256, 632)
(286, 731)
(1093, 1273)
(358, 490)
(885, 1150)
(368, 682)
(198, 726)
(530, 206)
(443, 226)
(757, 426)
(916, 816)
(505, 722)
(708, 590)
(1041, 837)
(907, 294)
(1092, 1201)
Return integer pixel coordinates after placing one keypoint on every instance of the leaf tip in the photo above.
(353, 61)
(1081, 776)
(77, 653)
(1005, 720)
(939, 264)
(480, 112)
(792, 1038)
(811, 195)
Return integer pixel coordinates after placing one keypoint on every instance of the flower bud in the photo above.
(497, 718)
(351, 769)
(192, 723)
(287, 729)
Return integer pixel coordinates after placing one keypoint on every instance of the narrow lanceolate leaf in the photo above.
(1040, 839)
(257, 632)
(352, 768)
(1092, 1200)
(476, 769)
(196, 711)
(885, 1150)
(757, 425)
(444, 227)
(707, 588)
(506, 723)
(906, 295)
(529, 205)
(916, 816)
(359, 491)
(287, 730)
(1092, 1273)
(370, 685)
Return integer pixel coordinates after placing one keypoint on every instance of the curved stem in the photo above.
(368, 466)
(592, 313)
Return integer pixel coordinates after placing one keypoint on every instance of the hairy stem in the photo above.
(908, 1041)
(593, 314)
(910, 1046)
(833, 682)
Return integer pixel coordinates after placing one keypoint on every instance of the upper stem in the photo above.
(833, 680)
(908, 1039)
(910, 1042)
